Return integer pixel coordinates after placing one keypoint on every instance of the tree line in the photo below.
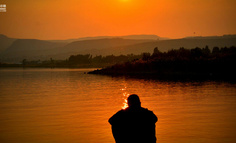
(107, 60)
(151, 60)
(197, 62)
(77, 61)
(190, 54)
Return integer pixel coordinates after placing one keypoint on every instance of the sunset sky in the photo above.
(65, 19)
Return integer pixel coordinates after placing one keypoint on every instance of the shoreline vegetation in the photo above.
(197, 63)
(75, 61)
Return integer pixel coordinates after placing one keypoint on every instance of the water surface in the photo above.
(66, 105)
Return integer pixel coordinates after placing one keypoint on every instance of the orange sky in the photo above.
(64, 19)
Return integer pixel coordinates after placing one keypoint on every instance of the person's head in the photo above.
(134, 101)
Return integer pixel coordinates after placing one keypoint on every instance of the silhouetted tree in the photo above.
(215, 50)
(80, 59)
(97, 59)
(196, 53)
(206, 51)
(146, 56)
(156, 52)
(24, 61)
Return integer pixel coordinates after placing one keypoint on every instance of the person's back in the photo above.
(134, 124)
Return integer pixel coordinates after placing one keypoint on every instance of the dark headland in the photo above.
(197, 63)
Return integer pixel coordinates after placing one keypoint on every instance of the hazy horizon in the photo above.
(120, 36)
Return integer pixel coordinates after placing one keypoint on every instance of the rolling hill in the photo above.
(15, 50)
(5, 42)
(31, 49)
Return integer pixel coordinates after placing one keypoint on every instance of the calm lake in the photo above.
(68, 106)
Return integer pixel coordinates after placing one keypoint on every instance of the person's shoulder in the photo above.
(150, 114)
(146, 110)
(117, 116)
(120, 112)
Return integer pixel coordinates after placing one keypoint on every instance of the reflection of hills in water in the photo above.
(14, 50)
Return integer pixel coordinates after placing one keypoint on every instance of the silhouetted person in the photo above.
(134, 124)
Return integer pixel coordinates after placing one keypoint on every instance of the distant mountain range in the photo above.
(15, 50)
(134, 37)
(5, 42)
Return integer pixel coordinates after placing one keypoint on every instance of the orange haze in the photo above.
(64, 19)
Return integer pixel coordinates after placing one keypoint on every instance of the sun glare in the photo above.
(125, 96)
(124, 0)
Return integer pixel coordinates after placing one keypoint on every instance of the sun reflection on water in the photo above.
(125, 96)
